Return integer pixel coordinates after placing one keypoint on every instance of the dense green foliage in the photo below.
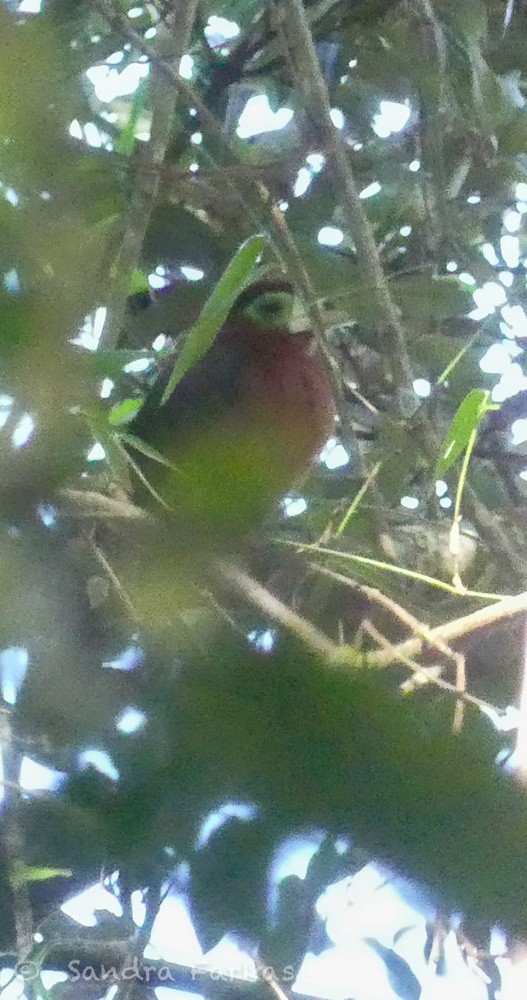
(312, 735)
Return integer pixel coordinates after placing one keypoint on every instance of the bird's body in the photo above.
(244, 424)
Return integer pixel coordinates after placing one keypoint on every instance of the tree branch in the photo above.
(13, 839)
(311, 81)
(277, 611)
(509, 607)
(173, 41)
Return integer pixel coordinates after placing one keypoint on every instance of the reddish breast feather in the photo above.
(294, 390)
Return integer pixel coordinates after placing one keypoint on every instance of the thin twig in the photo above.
(14, 841)
(153, 898)
(172, 43)
(112, 576)
(239, 187)
(410, 621)
(490, 529)
(397, 610)
(338, 656)
(386, 567)
(460, 627)
(311, 81)
(248, 587)
(298, 271)
(355, 503)
(90, 504)
(266, 975)
(520, 751)
(434, 120)
(214, 603)
(393, 654)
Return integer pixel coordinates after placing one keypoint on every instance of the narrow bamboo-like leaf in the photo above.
(216, 309)
(126, 141)
(124, 412)
(146, 450)
(24, 874)
(452, 365)
(97, 418)
(466, 420)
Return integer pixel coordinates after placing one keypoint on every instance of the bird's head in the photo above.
(270, 307)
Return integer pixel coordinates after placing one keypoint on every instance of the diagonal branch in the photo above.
(271, 606)
(311, 81)
(509, 607)
(173, 40)
(14, 841)
(419, 629)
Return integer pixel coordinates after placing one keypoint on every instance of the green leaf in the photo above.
(126, 141)
(468, 417)
(124, 412)
(216, 309)
(423, 297)
(24, 874)
(147, 450)
(98, 422)
(138, 282)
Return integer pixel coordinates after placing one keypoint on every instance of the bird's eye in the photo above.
(273, 309)
(270, 309)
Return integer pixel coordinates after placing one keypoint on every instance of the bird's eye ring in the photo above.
(273, 309)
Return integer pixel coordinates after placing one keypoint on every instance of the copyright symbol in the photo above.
(28, 970)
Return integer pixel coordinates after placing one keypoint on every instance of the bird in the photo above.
(243, 426)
